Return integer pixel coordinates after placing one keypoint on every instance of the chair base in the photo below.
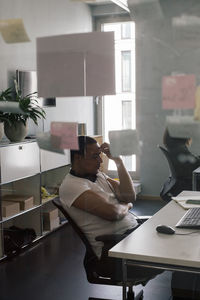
(98, 299)
(130, 296)
(139, 295)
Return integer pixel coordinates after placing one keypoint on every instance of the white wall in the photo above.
(72, 109)
(45, 18)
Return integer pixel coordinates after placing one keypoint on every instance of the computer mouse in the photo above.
(165, 229)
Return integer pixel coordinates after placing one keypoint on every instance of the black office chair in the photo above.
(91, 262)
(176, 182)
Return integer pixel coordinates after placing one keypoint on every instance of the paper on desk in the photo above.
(48, 142)
(13, 31)
(123, 142)
(68, 134)
(181, 200)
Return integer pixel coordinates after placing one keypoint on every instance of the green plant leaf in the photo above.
(27, 103)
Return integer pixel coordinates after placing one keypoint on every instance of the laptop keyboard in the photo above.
(191, 219)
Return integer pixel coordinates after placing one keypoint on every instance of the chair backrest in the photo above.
(90, 259)
(170, 161)
(180, 170)
(76, 228)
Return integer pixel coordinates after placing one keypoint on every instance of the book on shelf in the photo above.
(25, 201)
(10, 208)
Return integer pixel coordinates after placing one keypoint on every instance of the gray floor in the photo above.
(53, 270)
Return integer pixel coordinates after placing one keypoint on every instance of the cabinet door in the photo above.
(1, 241)
(18, 161)
(52, 160)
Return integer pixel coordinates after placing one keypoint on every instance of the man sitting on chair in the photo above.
(98, 204)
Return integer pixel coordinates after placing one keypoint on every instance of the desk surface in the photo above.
(146, 245)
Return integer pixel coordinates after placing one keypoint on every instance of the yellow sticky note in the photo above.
(13, 31)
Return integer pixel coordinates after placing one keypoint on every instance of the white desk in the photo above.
(146, 247)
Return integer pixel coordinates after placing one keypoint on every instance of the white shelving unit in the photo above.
(24, 168)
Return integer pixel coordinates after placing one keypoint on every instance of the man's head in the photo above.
(86, 161)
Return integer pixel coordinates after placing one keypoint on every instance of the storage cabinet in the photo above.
(52, 160)
(19, 161)
(51, 180)
(24, 169)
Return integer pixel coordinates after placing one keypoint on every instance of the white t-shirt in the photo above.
(71, 188)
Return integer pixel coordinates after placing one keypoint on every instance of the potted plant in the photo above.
(4, 96)
(15, 123)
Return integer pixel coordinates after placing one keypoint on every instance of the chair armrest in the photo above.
(118, 237)
(109, 241)
(110, 237)
(142, 219)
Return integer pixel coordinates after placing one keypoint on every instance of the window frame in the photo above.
(98, 101)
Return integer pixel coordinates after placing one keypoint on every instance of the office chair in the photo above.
(91, 262)
(176, 183)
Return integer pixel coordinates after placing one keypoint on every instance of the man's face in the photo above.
(91, 161)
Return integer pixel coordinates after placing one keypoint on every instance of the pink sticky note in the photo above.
(68, 133)
(178, 92)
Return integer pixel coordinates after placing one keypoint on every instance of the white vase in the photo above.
(15, 132)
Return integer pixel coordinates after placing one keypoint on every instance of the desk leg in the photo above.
(124, 273)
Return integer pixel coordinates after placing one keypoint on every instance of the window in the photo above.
(126, 71)
(126, 114)
(126, 30)
(129, 161)
(118, 111)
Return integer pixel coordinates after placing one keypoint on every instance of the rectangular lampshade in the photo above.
(76, 65)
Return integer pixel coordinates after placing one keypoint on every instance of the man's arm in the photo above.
(124, 189)
(95, 204)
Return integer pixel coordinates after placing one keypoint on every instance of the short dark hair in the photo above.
(83, 141)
